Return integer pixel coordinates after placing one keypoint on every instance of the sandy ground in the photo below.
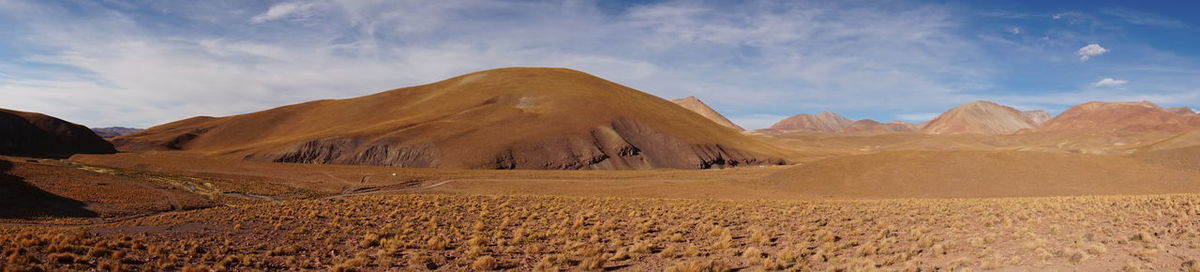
(478, 232)
(344, 218)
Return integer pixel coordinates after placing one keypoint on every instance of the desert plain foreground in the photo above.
(267, 216)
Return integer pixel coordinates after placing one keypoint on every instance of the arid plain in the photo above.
(556, 170)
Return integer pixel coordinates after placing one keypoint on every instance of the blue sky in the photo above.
(135, 63)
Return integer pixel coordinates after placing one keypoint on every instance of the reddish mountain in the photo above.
(1134, 116)
(872, 126)
(981, 117)
(38, 135)
(823, 122)
(695, 105)
(512, 118)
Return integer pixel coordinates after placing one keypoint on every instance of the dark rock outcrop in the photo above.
(38, 135)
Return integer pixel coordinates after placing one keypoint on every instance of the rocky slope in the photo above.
(1037, 116)
(109, 132)
(823, 122)
(695, 105)
(1182, 110)
(1131, 116)
(38, 135)
(980, 117)
(512, 118)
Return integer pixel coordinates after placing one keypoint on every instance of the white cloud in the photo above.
(1089, 51)
(1109, 82)
(1014, 30)
(282, 10)
(746, 58)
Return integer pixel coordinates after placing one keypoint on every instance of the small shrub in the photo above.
(484, 263)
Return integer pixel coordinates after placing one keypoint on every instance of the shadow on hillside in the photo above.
(20, 200)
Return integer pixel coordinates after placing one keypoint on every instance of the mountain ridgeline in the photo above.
(511, 118)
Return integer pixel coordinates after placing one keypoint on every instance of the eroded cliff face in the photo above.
(670, 152)
(625, 144)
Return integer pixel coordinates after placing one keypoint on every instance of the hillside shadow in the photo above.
(20, 200)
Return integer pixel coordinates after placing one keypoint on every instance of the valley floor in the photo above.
(452, 232)
(267, 216)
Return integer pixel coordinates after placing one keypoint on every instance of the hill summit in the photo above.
(39, 135)
(695, 105)
(1136, 116)
(510, 118)
(980, 117)
(822, 122)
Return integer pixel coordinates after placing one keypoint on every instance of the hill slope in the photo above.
(523, 118)
(695, 105)
(1135, 116)
(1182, 110)
(905, 174)
(823, 122)
(980, 117)
(872, 126)
(39, 135)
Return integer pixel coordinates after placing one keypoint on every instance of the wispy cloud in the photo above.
(1109, 82)
(283, 10)
(786, 56)
(1144, 18)
(757, 61)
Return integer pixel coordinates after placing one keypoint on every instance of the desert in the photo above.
(691, 137)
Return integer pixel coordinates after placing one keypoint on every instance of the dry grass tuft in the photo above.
(484, 263)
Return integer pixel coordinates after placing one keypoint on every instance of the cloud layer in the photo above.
(144, 63)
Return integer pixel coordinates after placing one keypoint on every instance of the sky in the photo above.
(144, 63)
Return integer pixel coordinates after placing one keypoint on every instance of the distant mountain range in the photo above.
(534, 118)
(985, 117)
(109, 132)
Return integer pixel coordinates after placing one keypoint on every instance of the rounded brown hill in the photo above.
(523, 118)
(952, 174)
(823, 122)
(695, 105)
(980, 117)
(38, 135)
(1134, 116)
